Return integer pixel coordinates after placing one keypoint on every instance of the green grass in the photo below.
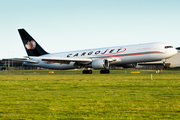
(39, 95)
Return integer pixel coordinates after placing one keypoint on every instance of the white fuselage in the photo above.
(118, 55)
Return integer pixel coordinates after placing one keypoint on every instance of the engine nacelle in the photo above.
(100, 64)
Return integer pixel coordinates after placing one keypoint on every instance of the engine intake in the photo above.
(100, 64)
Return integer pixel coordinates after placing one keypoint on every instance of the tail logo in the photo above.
(30, 45)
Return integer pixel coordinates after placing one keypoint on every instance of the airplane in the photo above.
(99, 58)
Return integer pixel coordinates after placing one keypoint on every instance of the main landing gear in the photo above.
(90, 72)
(87, 72)
(104, 71)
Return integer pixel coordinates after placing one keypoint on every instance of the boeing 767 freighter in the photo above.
(99, 58)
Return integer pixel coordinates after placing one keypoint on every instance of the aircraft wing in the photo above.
(63, 60)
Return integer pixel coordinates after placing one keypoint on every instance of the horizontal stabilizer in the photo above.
(21, 60)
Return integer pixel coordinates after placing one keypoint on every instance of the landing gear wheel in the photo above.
(104, 71)
(87, 72)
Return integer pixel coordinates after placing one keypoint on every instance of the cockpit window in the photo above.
(168, 47)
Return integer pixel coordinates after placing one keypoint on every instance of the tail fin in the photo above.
(31, 46)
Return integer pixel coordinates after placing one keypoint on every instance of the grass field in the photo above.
(72, 95)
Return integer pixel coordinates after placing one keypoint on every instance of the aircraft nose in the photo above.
(171, 52)
(175, 51)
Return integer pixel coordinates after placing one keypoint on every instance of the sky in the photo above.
(67, 25)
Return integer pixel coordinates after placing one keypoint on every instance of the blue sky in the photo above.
(66, 25)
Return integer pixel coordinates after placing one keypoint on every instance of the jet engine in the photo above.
(100, 64)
